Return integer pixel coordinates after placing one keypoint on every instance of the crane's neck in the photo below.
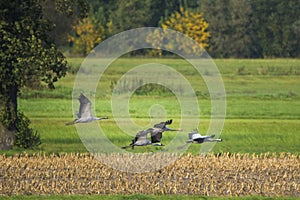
(171, 129)
(100, 118)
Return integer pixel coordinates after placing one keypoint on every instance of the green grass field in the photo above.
(262, 113)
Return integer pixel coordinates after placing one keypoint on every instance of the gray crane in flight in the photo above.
(84, 115)
(155, 132)
(158, 129)
(139, 140)
(196, 137)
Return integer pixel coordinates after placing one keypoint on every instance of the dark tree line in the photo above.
(239, 28)
(253, 29)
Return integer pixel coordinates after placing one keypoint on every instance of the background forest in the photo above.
(236, 28)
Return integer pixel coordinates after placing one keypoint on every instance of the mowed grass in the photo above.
(262, 114)
(253, 132)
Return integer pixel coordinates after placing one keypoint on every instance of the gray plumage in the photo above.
(139, 140)
(84, 115)
(158, 129)
(196, 137)
(155, 132)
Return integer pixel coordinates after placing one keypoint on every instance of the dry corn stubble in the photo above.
(226, 175)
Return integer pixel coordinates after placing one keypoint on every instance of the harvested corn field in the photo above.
(225, 175)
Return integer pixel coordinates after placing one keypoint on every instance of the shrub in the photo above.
(24, 136)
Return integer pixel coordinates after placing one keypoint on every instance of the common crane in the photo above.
(84, 115)
(139, 140)
(156, 135)
(196, 137)
(158, 129)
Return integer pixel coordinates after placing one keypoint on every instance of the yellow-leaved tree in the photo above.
(87, 34)
(191, 24)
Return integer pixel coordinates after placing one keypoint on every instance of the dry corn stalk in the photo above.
(226, 174)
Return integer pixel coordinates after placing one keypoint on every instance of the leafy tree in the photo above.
(136, 13)
(88, 33)
(187, 22)
(242, 41)
(217, 14)
(191, 24)
(277, 24)
(251, 29)
(231, 28)
(102, 10)
(130, 14)
(107, 19)
(62, 25)
(27, 53)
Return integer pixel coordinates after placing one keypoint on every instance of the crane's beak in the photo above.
(171, 129)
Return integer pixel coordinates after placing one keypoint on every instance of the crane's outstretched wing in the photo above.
(163, 124)
(197, 137)
(156, 134)
(141, 136)
(85, 107)
(139, 140)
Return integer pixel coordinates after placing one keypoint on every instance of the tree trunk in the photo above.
(6, 138)
(10, 108)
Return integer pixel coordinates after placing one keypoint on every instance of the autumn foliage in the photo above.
(189, 23)
(87, 34)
